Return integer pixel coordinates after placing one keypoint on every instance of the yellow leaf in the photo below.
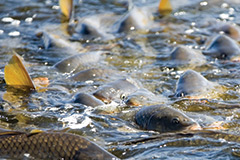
(165, 6)
(15, 74)
(66, 7)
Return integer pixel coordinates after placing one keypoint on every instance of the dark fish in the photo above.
(73, 63)
(87, 99)
(93, 73)
(49, 145)
(114, 90)
(192, 83)
(164, 119)
(222, 47)
(184, 56)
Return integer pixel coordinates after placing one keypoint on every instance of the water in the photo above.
(141, 56)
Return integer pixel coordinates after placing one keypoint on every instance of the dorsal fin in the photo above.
(165, 7)
(15, 74)
(10, 133)
(66, 8)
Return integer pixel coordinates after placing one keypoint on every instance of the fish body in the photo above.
(75, 62)
(113, 91)
(163, 119)
(184, 56)
(193, 83)
(143, 97)
(49, 145)
(93, 73)
(87, 99)
(222, 47)
(135, 19)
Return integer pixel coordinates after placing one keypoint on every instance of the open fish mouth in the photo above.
(194, 126)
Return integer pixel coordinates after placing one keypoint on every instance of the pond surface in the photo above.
(139, 55)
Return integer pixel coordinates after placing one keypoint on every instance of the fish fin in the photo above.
(9, 133)
(62, 130)
(164, 6)
(34, 131)
(66, 7)
(15, 73)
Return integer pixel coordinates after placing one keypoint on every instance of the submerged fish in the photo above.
(136, 19)
(164, 119)
(114, 90)
(75, 62)
(104, 26)
(87, 99)
(143, 97)
(222, 47)
(93, 73)
(184, 56)
(230, 30)
(49, 145)
(191, 83)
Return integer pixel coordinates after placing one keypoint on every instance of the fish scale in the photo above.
(50, 146)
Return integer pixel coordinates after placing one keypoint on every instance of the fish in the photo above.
(136, 18)
(93, 73)
(192, 83)
(114, 90)
(87, 99)
(222, 47)
(49, 145)
(75, 63)
(228, 29)
(163, 119)
(143, 97)
(184, 56)
(105, 26)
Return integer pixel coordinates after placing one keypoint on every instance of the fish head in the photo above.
(171, 120)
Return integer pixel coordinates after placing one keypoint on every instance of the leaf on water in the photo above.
(15, 74)
(66, 7)
(165, 7)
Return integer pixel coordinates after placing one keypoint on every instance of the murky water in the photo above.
(143, 56)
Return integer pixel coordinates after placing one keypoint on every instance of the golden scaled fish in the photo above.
(49, 145)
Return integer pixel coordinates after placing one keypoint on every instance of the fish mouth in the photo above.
(194, 126)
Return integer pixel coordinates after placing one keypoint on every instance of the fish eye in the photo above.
(175, 121)
(123, 96)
